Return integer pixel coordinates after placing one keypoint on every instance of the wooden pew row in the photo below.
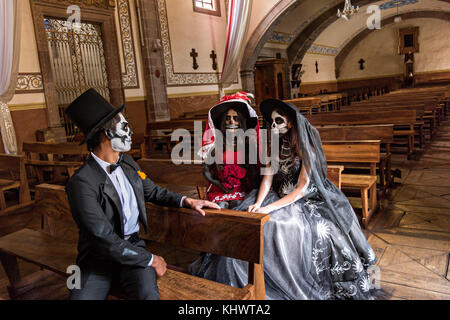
(430, 103)
(53, 248)
(307, 105)
(425, 114)
(383, 132)
(13, 176)
(165, 172)
(153, 130)
(56, 158)
(404, 122)
(330, 102)
(361, 152)
(430, 109)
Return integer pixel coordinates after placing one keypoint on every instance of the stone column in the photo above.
(248, 80)
(153, 61)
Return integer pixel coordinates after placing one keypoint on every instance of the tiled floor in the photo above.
(410, 234)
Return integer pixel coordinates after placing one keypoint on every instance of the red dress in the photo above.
(232, 176)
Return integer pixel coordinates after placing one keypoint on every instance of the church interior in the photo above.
(374, 79)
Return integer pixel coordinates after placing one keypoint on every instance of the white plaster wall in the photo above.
(189, 29)
(29, 59)
(326, 68)
(379, 50)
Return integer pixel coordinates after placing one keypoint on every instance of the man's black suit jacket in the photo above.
(96, 208)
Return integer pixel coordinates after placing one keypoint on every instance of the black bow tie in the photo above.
(114, 166)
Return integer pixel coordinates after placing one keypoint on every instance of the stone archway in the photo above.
(301, 44)
(305, 39)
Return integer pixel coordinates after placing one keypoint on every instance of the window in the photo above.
(211, 7)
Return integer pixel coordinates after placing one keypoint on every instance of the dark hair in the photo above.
(292, 134)
(94, 141)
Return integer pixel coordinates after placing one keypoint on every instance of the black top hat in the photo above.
(90, 112)
(218, 111)
(268, 105)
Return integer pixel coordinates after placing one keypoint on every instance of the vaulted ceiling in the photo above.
(313, 25)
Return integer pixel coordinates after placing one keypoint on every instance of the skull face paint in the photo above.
(232, 120)
(121, 136)
(279, 123)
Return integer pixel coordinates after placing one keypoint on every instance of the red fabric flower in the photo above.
(231, 176)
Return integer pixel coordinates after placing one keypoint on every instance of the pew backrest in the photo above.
(401, 117)
(383, 132)
(188, 124)
(62, 148)
(363, 151)
(165, 172)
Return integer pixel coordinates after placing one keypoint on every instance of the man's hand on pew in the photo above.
(159, 264)
(197, 205)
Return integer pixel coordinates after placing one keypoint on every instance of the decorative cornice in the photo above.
(323, 50)
(135, 99)
(198, 94)
(26, 107)
(130, 77)
(105, 4)
(29, 83)
(396, 3)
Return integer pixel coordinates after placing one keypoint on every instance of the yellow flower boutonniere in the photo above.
(142, 175)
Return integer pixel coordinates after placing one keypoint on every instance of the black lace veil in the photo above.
(313, 158)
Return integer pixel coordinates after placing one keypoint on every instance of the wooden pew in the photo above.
(56, 157)
(165, 172)
(383, 132)
(53, 248)
(403, 121)
(154, 129)
(367, 152)
(308, 105)
(427, 109)
(14, 176)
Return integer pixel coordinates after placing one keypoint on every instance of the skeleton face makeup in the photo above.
(232, 120)
(121, 136)
(279, 123)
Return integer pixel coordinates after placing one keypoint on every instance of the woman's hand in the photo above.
(266, 209)
(253, 207)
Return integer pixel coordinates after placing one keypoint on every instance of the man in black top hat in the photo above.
(107, 198)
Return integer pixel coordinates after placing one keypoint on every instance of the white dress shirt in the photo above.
(127, 197)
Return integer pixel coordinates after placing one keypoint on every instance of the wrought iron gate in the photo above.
(78, 63)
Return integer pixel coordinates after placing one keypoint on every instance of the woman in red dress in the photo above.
(227, 167)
